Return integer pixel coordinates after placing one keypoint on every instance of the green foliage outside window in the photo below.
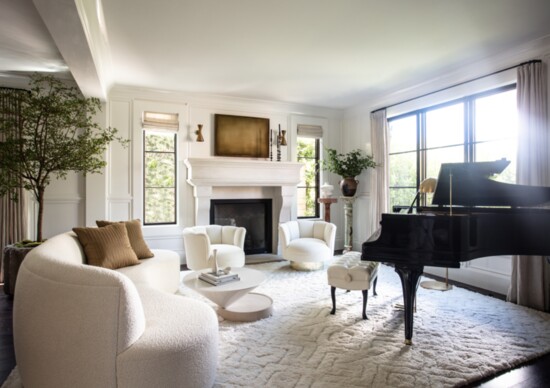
(402, 179)
(160, 178)
(307, 189)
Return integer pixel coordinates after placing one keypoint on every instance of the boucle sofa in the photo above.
(77, 325)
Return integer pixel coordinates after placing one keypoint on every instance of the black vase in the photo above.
(348, 186)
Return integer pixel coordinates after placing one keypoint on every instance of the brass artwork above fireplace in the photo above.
(241, 136)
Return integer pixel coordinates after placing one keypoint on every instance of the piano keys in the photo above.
(457, 231)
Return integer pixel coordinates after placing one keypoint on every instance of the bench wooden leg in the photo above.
(333, 296)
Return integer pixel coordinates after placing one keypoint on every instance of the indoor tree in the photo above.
(47, 132)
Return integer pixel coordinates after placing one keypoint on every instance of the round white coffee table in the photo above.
(234, 299)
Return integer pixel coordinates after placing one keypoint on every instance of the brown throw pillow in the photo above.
(107, 247)
(135, 235)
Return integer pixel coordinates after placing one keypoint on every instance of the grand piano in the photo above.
(471, 216)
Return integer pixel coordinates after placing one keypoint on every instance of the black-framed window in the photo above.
(308, 152)
(479, 127)
(159, 177)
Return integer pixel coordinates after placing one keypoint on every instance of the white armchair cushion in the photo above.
(200, 242)
(307, 241)
(307, 249)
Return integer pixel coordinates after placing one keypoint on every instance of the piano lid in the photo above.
(471, 186)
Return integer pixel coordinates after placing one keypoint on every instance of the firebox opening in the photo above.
(255, 215)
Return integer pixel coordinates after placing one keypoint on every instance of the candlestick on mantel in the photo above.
(279, 144)
(271, 131)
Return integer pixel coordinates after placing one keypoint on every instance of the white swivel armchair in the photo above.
(200, 242)
(307, 244)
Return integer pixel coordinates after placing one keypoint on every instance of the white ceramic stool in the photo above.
(351, 273)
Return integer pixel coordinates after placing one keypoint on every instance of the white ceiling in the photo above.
(316, 52)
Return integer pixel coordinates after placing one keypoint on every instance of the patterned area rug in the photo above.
(459, 337)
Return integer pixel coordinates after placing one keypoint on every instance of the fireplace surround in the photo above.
(239, 178)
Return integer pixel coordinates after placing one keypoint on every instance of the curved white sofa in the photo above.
(307, 244)
(77, 325)
(200, 241)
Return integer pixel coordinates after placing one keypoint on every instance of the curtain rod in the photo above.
(458, 84)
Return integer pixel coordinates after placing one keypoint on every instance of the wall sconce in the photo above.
(198, 132)
(281, 141)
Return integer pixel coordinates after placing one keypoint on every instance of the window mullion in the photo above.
(469, 130)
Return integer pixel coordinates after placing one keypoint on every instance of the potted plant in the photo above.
(47, 132)
(348, 166)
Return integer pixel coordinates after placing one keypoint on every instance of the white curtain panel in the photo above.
(530, 283)
(379, 139)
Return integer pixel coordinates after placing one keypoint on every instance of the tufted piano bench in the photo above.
(351, 273)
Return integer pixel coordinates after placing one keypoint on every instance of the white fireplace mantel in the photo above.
(236, 172)
(204, 174)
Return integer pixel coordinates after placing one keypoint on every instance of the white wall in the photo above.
(488, 273)
(120, 188)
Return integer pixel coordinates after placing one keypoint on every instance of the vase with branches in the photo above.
(348, 166)
(47, 132)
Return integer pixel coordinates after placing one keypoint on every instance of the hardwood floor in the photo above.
(534, 374)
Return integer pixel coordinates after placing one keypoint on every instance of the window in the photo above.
(481, 127)
(308, 152)
(160, 165)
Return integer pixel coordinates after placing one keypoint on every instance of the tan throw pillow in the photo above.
(107, 247)
(135, 235)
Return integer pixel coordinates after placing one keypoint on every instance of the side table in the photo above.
(327, 202)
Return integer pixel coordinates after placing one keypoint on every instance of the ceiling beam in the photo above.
(74, 41)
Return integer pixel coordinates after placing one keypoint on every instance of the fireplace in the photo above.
(252, 214)
(241, 178)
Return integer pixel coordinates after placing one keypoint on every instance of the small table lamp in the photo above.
(426, 186)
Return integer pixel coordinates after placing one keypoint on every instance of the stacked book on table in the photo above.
(219, 278)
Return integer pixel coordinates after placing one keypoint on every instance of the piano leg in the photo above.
(410, 276)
